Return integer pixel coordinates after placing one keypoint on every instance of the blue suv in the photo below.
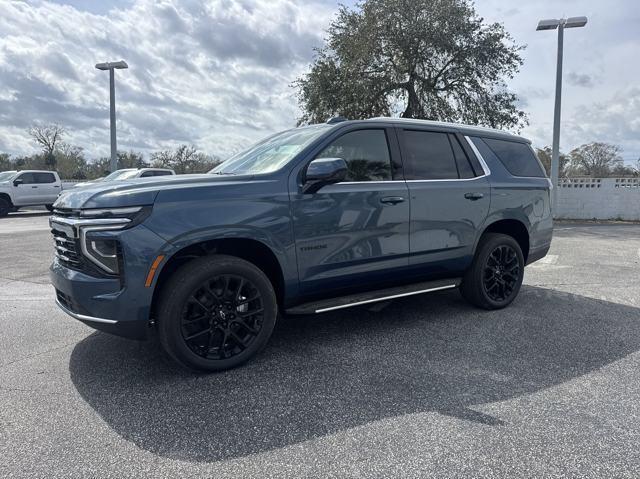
(309, 220)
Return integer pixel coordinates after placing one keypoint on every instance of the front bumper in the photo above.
(116, 305)
(99, 303)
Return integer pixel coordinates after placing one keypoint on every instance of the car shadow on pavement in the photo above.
(328, 373)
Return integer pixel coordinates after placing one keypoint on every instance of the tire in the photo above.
(495, 276)
(216, 313)
(49, 208)
(5, 207)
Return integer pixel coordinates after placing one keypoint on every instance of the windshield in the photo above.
(272, 153)
(120, 175)
(7, 175)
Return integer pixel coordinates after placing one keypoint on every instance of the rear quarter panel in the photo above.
(526, 199)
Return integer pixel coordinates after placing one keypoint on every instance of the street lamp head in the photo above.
(574, 22)
(550, 24)
(571, 22)
(112, 65)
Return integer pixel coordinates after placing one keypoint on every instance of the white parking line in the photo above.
(547, 261)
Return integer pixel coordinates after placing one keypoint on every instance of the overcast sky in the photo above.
(217, 74)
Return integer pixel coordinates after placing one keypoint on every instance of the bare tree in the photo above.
(48, 137)
(595, 159)
(544, 154)
(184, 159)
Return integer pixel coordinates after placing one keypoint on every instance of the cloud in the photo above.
(214, 74)
(580, 79)
(616, 120)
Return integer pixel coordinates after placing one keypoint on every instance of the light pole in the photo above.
(561, 24)
(112, 66)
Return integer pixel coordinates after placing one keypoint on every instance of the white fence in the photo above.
(599, 198)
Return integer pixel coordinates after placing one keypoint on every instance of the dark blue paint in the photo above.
(325, 242)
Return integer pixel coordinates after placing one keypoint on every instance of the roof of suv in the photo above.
(463, 129)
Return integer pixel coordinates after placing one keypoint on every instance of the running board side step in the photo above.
(332, 304)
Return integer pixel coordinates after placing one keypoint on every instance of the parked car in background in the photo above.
(310, 220)
(28, 188)
(128, 174)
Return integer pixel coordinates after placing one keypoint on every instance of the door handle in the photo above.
(473, 196)
(34, 187)
(391, 200)
(56, 186)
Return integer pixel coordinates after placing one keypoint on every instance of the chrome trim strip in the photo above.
(87, 221)
(447, 179)
(485, 167)
(368, 182)
(384, 298)
(82, 317)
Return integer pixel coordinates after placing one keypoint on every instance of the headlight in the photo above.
(135, 214)
(87, 225)
(104, 252)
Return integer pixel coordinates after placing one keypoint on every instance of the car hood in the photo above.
(135, 192)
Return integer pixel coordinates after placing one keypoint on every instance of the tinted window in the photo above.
(162, 173)
(366, 153)
(44, 178)
(464, 167)
(27, 178)
(516, 157)
(146, 174)
(428, 155)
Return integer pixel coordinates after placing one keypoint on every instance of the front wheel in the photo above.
(216, 313)
(496, 274)
(5, 207)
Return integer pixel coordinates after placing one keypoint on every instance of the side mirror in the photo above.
(18, 181)
(322, 172)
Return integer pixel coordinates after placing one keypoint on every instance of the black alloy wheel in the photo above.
(501, 273)
(495, 276)
(216, 312)
(222, 317)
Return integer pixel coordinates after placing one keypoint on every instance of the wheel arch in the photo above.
(5, 196)
(249, 249)
(510, 227)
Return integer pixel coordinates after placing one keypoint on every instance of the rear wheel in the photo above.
(216, 313)
(495, 276)
(5, 207)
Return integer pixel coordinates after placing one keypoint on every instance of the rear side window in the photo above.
(366, 153)
(163, 173)
(44, 178)
(427, 155)
(516, 157)
(464, 167)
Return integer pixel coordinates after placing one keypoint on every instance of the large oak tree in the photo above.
(430, 59)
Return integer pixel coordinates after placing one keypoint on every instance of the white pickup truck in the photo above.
(28, 188)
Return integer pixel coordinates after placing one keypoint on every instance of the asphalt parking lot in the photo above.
(428, 386)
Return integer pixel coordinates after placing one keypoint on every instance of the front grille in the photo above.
(67, 250)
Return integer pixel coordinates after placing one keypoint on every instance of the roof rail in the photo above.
(336, 119)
